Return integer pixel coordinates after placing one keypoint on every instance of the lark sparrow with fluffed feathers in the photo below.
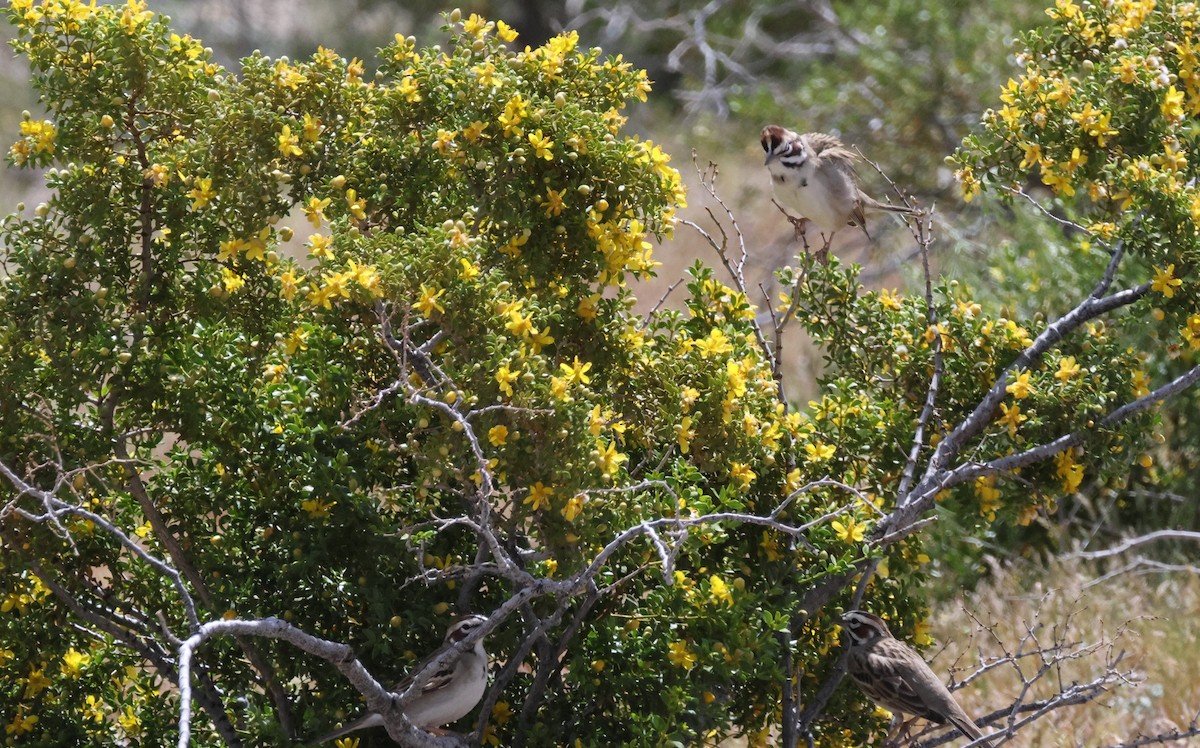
(894, 676)
(813, 175)
(447, 696)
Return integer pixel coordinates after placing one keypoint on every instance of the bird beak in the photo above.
(770, 155)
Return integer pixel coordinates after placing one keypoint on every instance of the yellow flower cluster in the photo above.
(988, 495)
(335, 285)
(624, 247)
(1068, 470)
(1191, 332)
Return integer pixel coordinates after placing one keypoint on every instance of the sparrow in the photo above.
(894, 676)
(447, 696)
(813, 175)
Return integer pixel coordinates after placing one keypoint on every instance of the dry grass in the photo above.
(1152, 618)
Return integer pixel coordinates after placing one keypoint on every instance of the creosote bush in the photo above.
(448, 403)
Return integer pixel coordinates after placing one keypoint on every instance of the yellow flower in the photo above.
(1012, 418)
(476, 26)
(316, 508)
(1058, 181)
(1019, 387)
(553, 203)
(469, 270)
(444, 143)
(505, 377)
(1063, 10)
(1141, 383)
(354, 71)
(1067, 368)
(1033, 154)
(1191, 331)
(133, 16)
(684, 434)
(297, 341)
(314, 210)
(1094, 123)
(539, 495)
(574, 507)
(1172, 105)
(608, 459)
(319, 246)
(312, 128)
(36, 683)
(231, 280)
(576, 372)
(505, 32)
(719, 592)
(428, 302)
(289, 144)
(970, 184)
(1165, 281)
(989, 497)
(335, 285)
(1068, 470)
(366, 276)
(356, 205)
(542, 146)
(889, 300)
(716, 344)
(498, 435)
(20, 723)
(94, 709)
(130, 722)
(681, 656)
(519, 324)
(770, 546)
(73, 663)
(742, 473)
(819, 451)
(157, 175)
(256, 247)
(501, 713)
(851, 531)
(202, 193)
(474, 131)
(538, 340)
(409, 89)
(514, 111)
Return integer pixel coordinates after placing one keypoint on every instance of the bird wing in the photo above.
(437, 680)
(901, 686)
(940, 705)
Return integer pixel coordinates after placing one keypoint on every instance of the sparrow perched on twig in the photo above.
(894, 676)
(813, 175)
(452, 691)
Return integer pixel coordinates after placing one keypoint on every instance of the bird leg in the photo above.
(800, 226)
(898, 731)
(823, 252)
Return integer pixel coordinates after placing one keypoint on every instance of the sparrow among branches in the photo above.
(894, 676)
(446, 697)
(813, 175)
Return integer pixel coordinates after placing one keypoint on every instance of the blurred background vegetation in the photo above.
(904, 81)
